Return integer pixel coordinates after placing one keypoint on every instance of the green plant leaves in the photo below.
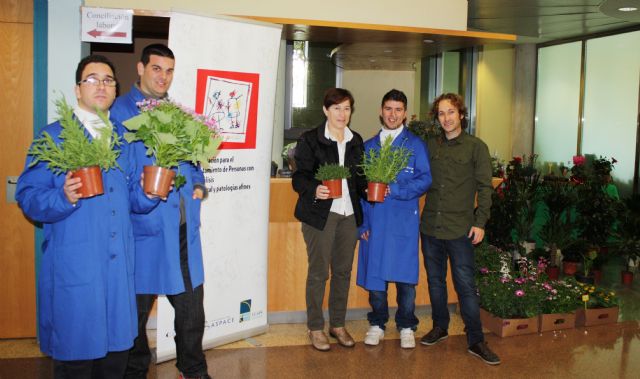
(384, 165)
(75, 149)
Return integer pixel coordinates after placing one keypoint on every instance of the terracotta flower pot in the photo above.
(91, 178)
(335, 188)
(376, 192)
(626, 277)
(157, 180)
(569, 268)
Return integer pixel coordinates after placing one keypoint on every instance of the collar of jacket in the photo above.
(399, 141)
(457, 140)
(324, 140)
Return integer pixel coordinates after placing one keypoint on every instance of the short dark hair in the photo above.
(456, 100)
(395, 95)
(84, 62)
(336, 96)
(155, 49)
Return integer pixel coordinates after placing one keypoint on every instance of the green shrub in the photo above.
(332, 171)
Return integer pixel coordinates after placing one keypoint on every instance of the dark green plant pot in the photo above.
(589, 279)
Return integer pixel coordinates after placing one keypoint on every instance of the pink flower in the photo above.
(520, 280)
(519, 293)
(504, 279)
(484, 270)
(578, 160)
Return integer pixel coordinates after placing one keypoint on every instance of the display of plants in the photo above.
(382, 166)
(505, 297)
(558, 198)
(331, 171)
(75, 149)
(626, 235)
(598, 297)
(563, 296)
(173, 134)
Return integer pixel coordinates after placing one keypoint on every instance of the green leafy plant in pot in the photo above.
(382, 167)
(331, 176)
(627, 243)
(172, 134)
(76, 153)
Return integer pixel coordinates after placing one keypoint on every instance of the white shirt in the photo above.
(341, 206)
(90, 121)
(384, 133)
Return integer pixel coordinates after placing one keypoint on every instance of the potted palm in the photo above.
(171, 134)
(76, 153)
(331, 175)
(382, 166)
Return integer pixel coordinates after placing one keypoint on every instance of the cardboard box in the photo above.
(556, 321)
(506, 327)
(596, 316)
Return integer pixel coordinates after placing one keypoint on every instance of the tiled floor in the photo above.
(610, 351)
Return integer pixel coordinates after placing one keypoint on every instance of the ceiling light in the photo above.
(627, 9)
(427, 40)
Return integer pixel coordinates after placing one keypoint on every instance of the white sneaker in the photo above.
(374, 335)
(407, 339)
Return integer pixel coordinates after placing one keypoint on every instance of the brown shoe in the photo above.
(343, 337)
(319, 340)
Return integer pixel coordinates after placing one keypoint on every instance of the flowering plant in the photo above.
(173, 134)
(598, 297)
(520, 297)
(561, 296)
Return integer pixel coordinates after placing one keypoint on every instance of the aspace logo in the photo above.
(245, 311)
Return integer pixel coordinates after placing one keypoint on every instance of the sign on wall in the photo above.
(106, 25)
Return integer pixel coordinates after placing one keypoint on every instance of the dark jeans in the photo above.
(112, 366)
(405, 314)
(333, 247)
(460, 252)
(188, 323)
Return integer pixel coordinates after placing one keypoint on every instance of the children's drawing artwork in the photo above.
(230, 99)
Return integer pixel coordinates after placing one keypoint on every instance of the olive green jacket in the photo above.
(460, 168)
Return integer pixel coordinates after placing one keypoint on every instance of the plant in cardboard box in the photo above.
(600, 306)
(562, 296)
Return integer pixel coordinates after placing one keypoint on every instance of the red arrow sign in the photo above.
(97, 33)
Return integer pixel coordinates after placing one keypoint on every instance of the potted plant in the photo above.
(573, 254)
(288, 152)
(561, 299)
(601, 306)
(331, 175)
(588, 258)
(627, 243)
(382, 166)
(171, 134)
(510, 301)
(76, 153)
(558, 199)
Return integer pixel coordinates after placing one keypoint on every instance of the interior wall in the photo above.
(441, 14)
(367, 88)
(495, 98)
(524, 96)
(17, 271)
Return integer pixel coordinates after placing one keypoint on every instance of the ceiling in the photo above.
(529, 21)
(547, 20)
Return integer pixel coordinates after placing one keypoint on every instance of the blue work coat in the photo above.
(87, 304)
(391, 252)
(156, 233)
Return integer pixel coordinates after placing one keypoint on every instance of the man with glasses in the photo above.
(86, 297)
(168, 250)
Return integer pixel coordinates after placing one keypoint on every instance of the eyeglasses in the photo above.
(95, 82)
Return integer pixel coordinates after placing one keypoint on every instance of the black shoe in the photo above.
(434, 336)
(482, 351)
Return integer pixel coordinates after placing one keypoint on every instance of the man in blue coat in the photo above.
(86, 308)
(389, 234)
(168, 249)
